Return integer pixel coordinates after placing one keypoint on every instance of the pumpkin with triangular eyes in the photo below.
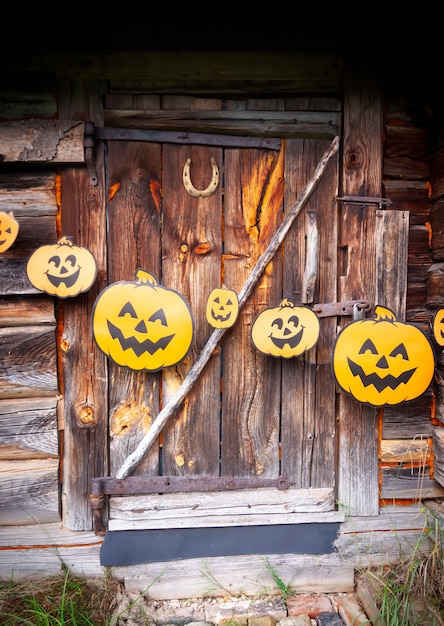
(438, 327)
(9, 228)
(286, 331)
(142, 325)
(63, 269)
(383, 361)
(222, 307)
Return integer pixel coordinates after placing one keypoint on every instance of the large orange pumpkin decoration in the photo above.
(438, 327)
(383, 361)
(9, 228)
(286, 331)
(62, 269)
(141, 325)
(222, 307)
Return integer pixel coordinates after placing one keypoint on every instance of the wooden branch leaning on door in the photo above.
(190, 379)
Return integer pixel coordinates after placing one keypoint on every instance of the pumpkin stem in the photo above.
(143, 277)
(64, 241)
(382, 313)
(286, 302)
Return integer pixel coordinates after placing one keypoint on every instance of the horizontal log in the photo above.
(319, 124)
(29, 491)
(13, 277)
(406, 451)
(28, 194)
(28, 428)
(412, 483)
(30, 311)
(33, 233)
(405, 167)
(437, 178)
(37, 141)
(28, 364)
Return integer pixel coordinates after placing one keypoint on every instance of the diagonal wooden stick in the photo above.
(190, 379)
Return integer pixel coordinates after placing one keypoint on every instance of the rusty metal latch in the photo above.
(365, 200)
(102, 486)
(347, 307)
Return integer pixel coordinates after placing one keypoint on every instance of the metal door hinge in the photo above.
(365, 200)
(89, 145)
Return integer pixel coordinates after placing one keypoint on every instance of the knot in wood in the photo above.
(86, 416)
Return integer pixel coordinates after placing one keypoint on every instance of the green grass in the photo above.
(58, 601)
(411, 591)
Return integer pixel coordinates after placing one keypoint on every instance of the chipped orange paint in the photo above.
(429, 228)
(128, 414)
(429, 189)
(155, 192)
(113, 190)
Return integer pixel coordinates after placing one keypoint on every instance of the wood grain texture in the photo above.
(37, 141)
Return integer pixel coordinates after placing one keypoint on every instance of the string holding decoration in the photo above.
(382, 361)
(9, 228)
(191, 189)
(63, 269)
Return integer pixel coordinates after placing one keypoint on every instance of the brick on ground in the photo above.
(307, 604)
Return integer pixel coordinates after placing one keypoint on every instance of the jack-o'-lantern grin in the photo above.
(289, 339)
(380, 382)
(144, 344)
(68, 281)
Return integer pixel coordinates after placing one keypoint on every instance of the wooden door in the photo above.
(247, 415)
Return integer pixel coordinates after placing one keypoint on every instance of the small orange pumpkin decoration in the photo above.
(62, 269)
(286, 331)
(9, 228)
(222, 307)
(438, 327)
(140, 325)
(383, 361)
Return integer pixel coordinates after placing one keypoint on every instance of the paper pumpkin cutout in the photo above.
(438, 327)
(9, 228)
(382, 361)
(222, 307)
(141, 325)
(286, 331)
(63, 269)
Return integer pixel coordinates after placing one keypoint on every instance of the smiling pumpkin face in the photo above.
(285, 331)
(141, 325)
(222, 308)
(382, 361)
(63, 269)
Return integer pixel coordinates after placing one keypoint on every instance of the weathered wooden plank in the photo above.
(406, 451)
(83, 369)
(437, 223)
(412, 483)
(232, 508)
(308, 413)
(362, 167)
(33, 232)
(317, 124)
(13, 278)
(37, 141)
(135, 170)
(437, 179)
(28, 194)
(28, 428)
(251, 384)
(192, 265)
(28, 364)
(27, 311)
(27, 95)
(246, 574)
(392, 240)
(29, 492)
(435, 285)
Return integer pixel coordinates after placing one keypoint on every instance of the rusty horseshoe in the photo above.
(191, 189)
